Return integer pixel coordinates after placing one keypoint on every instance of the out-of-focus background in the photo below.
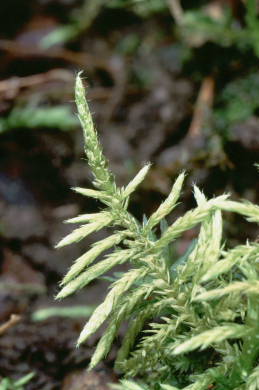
(174, 83)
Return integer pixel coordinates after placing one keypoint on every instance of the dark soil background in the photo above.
(155, 97)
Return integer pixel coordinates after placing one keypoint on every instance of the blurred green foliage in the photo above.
(60, 117)
(239, 100)
(198, 26)
(66, 312)
(10, 384)
(81, 19)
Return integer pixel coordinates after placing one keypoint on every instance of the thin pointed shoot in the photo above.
(131, 187)
(169, 204)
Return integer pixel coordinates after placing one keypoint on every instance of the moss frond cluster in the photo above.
(193, 321)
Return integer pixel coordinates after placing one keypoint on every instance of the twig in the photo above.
(16, 49)
(14, 84)
(14, 319)
(176, 10)
(203, 106)
(115, 67)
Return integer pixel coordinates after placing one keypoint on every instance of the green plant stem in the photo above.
(250, 350)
